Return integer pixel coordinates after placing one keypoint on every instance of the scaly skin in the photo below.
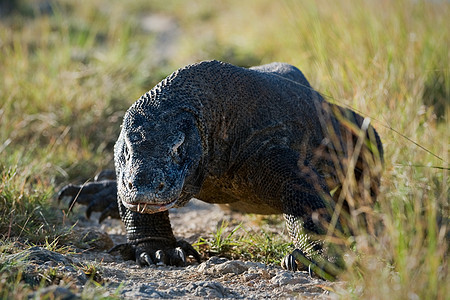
(260, 140)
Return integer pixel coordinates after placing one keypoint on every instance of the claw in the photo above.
(68, 190)
(105, 214)
(144, 260)
(181, 255)
(176, 257)
(160, 258)
(325, 270)
(289, 263)
(189, 250)
(111, 211)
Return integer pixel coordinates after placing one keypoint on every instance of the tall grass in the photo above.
(69, 73)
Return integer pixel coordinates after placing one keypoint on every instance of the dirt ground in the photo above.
(215, 278)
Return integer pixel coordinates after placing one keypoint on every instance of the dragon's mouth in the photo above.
(146, 208)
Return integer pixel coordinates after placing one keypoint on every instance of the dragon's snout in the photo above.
(158, 186)
(156, 183)
(149, 192)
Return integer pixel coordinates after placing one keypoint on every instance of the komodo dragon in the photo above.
(260, 140)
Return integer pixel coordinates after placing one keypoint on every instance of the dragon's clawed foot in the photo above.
(297, 260)
(153, 252)
(99, 196)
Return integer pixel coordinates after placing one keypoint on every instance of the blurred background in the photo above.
(69, 69)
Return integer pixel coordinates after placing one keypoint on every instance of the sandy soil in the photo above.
(215, 278)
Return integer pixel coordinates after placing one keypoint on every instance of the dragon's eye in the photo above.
(135, 137)
(176, 148)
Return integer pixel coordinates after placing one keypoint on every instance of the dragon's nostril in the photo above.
(161, 186)
(130, 185)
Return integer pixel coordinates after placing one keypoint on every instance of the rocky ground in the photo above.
(214, 278)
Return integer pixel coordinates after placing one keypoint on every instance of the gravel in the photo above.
(214, 278)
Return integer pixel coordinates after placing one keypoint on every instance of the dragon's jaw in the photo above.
(146, 208)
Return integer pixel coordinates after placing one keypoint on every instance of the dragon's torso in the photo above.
(259, 140)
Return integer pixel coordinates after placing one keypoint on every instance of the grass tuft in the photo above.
(25, 210)
(237, 242)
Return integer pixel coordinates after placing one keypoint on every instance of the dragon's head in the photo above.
(157, 159)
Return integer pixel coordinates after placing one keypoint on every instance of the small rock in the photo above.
(142, 291)
(209, 289)
(284, 278)
(260, 270)
(234, 266)
(38, 260)
(247, 277)
(41, 256)
(217, 260)
(222, 266)
(207, 266)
